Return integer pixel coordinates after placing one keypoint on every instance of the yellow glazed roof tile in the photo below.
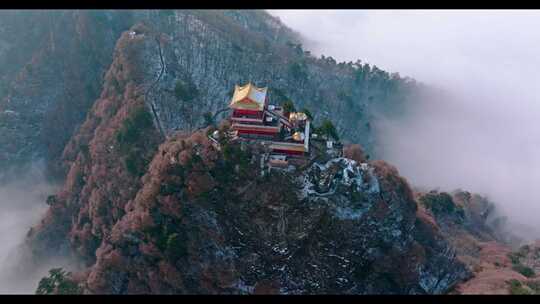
(248, 97)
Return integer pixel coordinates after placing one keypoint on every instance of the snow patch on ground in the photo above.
(321, 182)
(349, 213)
(243, 288)
(350, 173)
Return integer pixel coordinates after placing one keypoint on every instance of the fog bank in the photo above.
(22, 202)
(484, 136)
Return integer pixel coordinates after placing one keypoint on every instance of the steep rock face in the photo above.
(198, 225)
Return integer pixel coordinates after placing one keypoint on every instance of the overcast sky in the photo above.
(487, 138)
(434, 46)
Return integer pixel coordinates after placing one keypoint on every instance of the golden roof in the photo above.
(248, 97)
(298, 136)
(299, 116)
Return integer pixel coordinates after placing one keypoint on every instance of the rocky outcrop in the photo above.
(381, 211)
(207, 222)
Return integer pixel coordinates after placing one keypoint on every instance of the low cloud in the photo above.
(483, 133)
(22, 201)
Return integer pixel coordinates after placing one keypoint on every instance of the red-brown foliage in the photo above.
(354, 152)
(389, 177)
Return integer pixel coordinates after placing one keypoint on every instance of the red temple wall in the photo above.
(290, 152)
(251, 131)
(255, 113)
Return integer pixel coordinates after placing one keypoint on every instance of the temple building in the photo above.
(253, 118)
(249, 116)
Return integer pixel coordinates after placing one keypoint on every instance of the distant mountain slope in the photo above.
(52, 72)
